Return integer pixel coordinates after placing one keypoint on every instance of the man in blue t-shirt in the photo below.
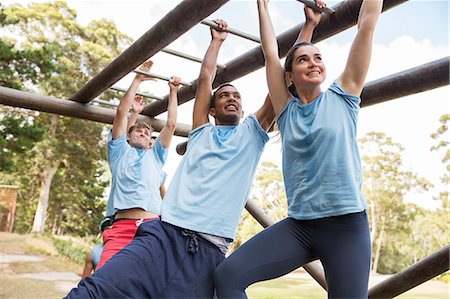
(176, 257)
(136, 166)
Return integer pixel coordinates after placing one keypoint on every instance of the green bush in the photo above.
(67, 249)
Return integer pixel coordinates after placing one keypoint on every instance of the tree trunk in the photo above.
(47, 177)
(378, 249)
(41, 211)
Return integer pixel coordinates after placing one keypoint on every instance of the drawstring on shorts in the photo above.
(193, 241)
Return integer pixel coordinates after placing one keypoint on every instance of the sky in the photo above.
(409, 35)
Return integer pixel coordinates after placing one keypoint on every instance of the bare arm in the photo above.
(120, 120)
(88, 266)
(136, 108)
(206, 76)
(162, 191)
(165, 136)
(265, 115)
(312, 20)
(278, 89)
(279, 93)
(354, 75)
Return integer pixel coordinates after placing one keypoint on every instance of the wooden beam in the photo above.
(27, 100)
(169, 28)
(424, 270)
(418, 79)
(345, 16)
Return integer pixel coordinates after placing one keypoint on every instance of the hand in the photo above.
(219, 34)
(313, 16)
(174, 83)
(137, 105)
(145, 67)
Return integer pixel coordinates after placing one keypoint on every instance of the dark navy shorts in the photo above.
(162, 261)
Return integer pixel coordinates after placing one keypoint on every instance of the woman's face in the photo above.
(308, 70)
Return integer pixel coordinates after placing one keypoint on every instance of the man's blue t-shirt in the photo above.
(210, 187)
(136, 176)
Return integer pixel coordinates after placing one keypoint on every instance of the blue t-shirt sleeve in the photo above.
(115, 147)
(160, 152)
(351, 100)
(194, 133)
(281, 119)
(260, 135)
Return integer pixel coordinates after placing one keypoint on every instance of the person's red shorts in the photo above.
(118, 236)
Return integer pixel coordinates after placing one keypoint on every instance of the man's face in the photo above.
(139, 138)
(228, 106)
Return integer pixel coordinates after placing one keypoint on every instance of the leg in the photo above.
(134, 272)
(344, 250)
(115, 238)
(273, 252)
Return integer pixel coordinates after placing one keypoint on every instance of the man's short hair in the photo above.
(140, 125)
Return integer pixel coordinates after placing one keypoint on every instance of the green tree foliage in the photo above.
(18, 134)
(443, 145)
(50, 53)
(385, 188)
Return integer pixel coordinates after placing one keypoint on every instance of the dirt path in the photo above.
(29, 269)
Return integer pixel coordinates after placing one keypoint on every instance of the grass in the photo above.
(12, 286)
(286, 287)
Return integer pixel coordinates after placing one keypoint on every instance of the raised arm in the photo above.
(276, 81)
(312, 20)
(165, 136)
(279, 93)
(206, 76)
(265, 115)
(136, 107)
(354, 75)
(120, 120)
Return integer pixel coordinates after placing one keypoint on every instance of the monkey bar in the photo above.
(181, 19)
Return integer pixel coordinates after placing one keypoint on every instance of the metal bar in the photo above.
(188, 57)
(421, 78)
(137, 71)
(27, 100)
(424, 270)
(233, 31)
(313, 268)
(147, 95)
(345, 16)
(169, 28)
(312, 4)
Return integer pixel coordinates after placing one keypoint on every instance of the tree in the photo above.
(385, 187)
(443, 145)
(268, 193)
(64, 55)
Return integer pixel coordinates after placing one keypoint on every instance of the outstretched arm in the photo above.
(207, 74)
(312, 20)
(278, 89)
(165, 136)
(354, 75)
(265, 115)
(136, 107)
(120, 120)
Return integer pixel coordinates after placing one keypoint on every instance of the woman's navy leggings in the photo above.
(341, 243)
